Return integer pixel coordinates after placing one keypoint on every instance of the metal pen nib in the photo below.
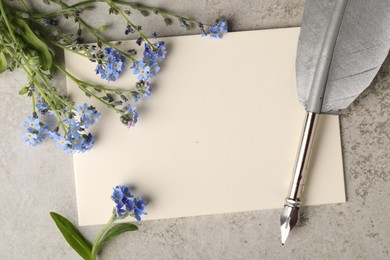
(289, 215)
(288, 219)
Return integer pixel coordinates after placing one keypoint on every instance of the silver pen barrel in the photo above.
(289, 216)
(303, 156)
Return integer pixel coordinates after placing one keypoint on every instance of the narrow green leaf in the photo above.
(24, 90)
(114, 232)
(72, 236)
(3, 62)
(29, 37)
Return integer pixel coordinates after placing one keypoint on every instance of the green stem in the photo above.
(24, 6)
(119, 10)
(101, 235)
(81, 84)
(33, 101)
(93, 32)
(36, 83)
(4, 15)
(69, 10)
(53, 92)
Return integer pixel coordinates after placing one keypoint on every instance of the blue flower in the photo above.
(54, 135)
(63, 143)
(154, 35)
(42, 107)
(130, 205)
(42, 133)
(137, 67)
(217, 31)
(139, 208)
(161, 51)
(144, 73)
(153, 69)
(30, 138)
(89, 141)
(32, 123)
(117, 195)
(126, 191)
(92, 116)
(82, 111)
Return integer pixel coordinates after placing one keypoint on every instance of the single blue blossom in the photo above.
(32, 123)
(126, 191)
(139, 208)
(117, 195)
(141, 69)
(161, 51)
(137, 67)
(130, 205)
(30, 138)
(42, 107)
(63, 143)
(153, 69)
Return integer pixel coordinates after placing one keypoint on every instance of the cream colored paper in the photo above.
(219, 133)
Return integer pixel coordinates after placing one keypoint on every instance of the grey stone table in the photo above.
(35, 181)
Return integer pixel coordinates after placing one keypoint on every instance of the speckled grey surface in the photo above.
(37, 180)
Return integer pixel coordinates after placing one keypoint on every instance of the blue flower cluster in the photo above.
(149, 66)
(36, 131)
(218, 30)
(111, 65)
(74, 140)
(126, 204)
(129, 116)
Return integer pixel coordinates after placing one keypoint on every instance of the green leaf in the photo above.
(72, 236)
(114, 232)
(29, 37)
(3, 62)
(24, 90)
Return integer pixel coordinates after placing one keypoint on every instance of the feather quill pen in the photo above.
(342, 45)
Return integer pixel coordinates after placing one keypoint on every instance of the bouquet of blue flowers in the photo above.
(27, 40)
